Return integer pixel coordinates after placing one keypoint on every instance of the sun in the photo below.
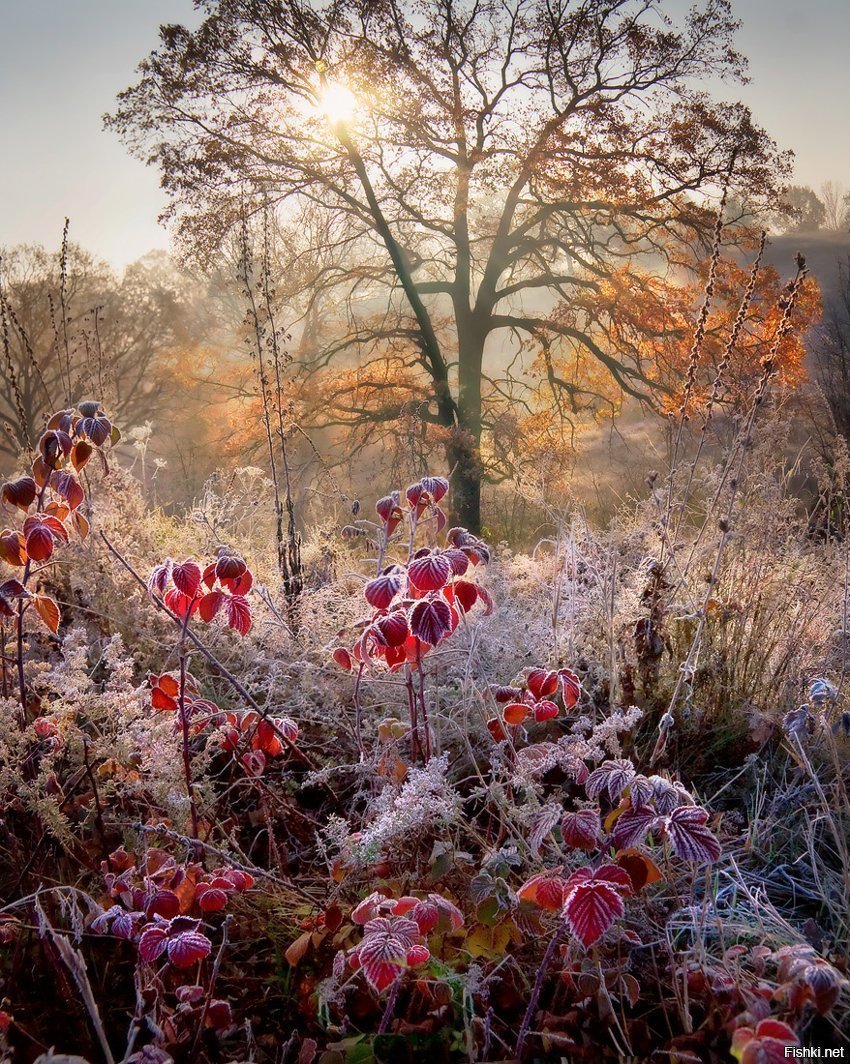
(338, 103)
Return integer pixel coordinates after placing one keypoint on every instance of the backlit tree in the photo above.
(489, 203)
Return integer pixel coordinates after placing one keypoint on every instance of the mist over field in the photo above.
(424, 572)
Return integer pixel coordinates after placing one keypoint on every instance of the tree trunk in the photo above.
(464, 449)
(465, 487)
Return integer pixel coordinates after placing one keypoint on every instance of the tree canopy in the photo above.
(476, 197)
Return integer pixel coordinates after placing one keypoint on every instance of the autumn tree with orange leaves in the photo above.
(491, 212)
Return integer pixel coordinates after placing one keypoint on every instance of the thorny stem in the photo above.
(220, 668)
(293, 582)
(211, 987)
(358, 714)
(98, 808)
(414, 723)
(183, 710)
(422, 703)
(390, 1008)
(540, 979)
(3, 660)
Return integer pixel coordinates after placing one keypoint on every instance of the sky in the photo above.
(63, 61)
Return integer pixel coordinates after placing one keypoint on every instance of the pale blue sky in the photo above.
(62, 61)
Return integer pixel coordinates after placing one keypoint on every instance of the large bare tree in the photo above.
(467, 177)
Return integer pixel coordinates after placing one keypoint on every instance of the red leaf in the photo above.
(466, 593)
(382, 974)
(642, 870)
(632, 826)
(430, 573)
(414, 494)
(68, 487)
(81, 452)
(48, 611)
(13, 548)
(516, 713)
(434, 911)
(80, 523)
(169, 684)
(485, 597)
(239, 585)
(187, 948)
(593, 902)
(389, 511)
(340, 655)
(160, 578)
(435, 486)
(370, 907)
(209, 605)
(542, 683)
(457, 560)
(546, 889)
(241, 881)
(570, 687)
(254, 762)
(163, 903)
(152, 944)
(393, 629)
(39, 542)
(611, 776)
(383, 952)
(504, 694)
(541, 826)
(382, 590)
(430, 620)
(20, 493)
(545, 710)
(497, 729)
(187, 577)
(238, 614)
(418, 955)
(690, 838)
(230, 567)
(97, 428)
(179, 603)
(210, 899)
(581, 829)
(160, 700)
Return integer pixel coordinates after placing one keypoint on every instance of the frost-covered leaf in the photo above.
(187, 577)
(47, 610)
(542, 683)
(430, 620)
(546, 889)
(632, 826)
(612, 777)
(430, 573)
(581, 828)
(238, 611)
(544, 820)
(593, 900)
(382, 590)
(690, 838)
(393, 629)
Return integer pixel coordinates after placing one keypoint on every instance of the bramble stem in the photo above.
(542, 972)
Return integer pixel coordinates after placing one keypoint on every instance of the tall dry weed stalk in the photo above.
(733, 474)
(266, 350)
